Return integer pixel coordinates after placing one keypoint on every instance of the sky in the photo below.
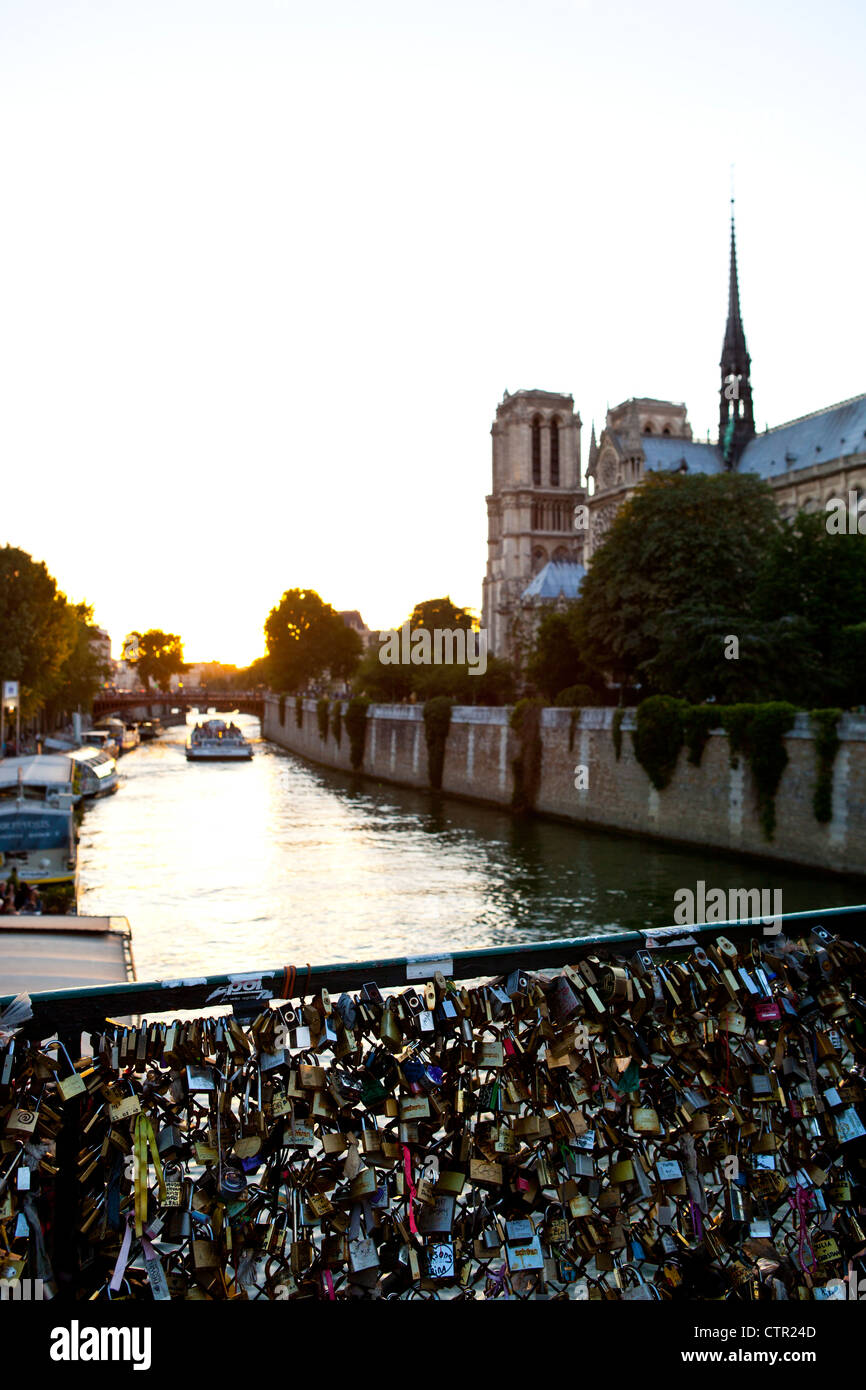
(267, 268)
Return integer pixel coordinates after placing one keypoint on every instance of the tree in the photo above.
(817, 581)
(36, 632)
(83, 670)
(683, 549)
(440, 613)
(156, 655)
(254, 675)
(384, 683)
(555, 662)
(307, 637)
(392, 681)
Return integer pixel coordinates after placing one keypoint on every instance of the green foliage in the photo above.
(299, 711)
(576, 695)
(437, 722)
(658, 737)
(392, 682)
(83, 670)
(850, 666)
(693, 560)
(735, 720)
(356, 727)
(441, 613)
(754, 730)
(682, 546)
(337, 721)
(819, 581)
(758, 730)
(572, 726)
(525, 720)
(555, 663)
(322, 711)
(307, 637)
(156, 655)
(386, 683)
(616, 732)
(768, 756)
(38, 630)
(256, 674)
(57, 898)
(824, 728)
(698, 720)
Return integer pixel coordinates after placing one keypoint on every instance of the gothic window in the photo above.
(647, 429)
(666, 430)
(560, 555)
(539, 559)
(554, 452)
(536, 451)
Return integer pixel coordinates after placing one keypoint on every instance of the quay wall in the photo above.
(714, 804)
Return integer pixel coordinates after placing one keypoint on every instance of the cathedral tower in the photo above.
(530, 512)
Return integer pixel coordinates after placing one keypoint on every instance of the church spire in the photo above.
(736, 414)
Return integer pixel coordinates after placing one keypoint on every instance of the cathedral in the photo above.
(543, 523)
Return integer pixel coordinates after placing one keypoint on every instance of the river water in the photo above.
(228, 867)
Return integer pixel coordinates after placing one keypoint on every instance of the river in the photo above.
(230, 867)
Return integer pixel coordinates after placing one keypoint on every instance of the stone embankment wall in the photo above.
(713, 804)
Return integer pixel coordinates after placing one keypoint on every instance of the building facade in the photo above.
(807, 461)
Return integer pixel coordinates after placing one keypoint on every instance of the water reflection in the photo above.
(233, 866)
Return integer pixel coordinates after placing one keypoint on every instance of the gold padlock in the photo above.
(69, 1086)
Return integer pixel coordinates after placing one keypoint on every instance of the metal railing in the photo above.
(248, 992)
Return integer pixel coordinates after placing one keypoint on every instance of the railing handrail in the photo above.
(250, 991)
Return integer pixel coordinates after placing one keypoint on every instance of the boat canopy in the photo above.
(93, 757)
(54, 771)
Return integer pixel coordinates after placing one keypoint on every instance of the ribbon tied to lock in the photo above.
(407, 1168)
(144, 1139)
(800, 1203)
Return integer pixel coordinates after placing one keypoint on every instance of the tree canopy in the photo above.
(156, 655)
(44, 639)
(305, 638)
(556, 661)
(393, 681)
(700, 590)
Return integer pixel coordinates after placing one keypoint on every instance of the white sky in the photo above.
(267, 268)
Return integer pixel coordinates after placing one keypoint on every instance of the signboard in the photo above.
(24, 830)
(10, 692)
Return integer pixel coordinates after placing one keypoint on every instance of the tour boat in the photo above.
(124, 737)
(97, 771)
(215, 739)
(149, 729)
(37, 830)
(101, 738)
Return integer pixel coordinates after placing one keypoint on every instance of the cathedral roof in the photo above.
(817, 438)
(662, 451)
(557, 577)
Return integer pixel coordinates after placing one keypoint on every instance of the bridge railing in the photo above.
(247, 992)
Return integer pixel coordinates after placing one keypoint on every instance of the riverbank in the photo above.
(588, 776)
